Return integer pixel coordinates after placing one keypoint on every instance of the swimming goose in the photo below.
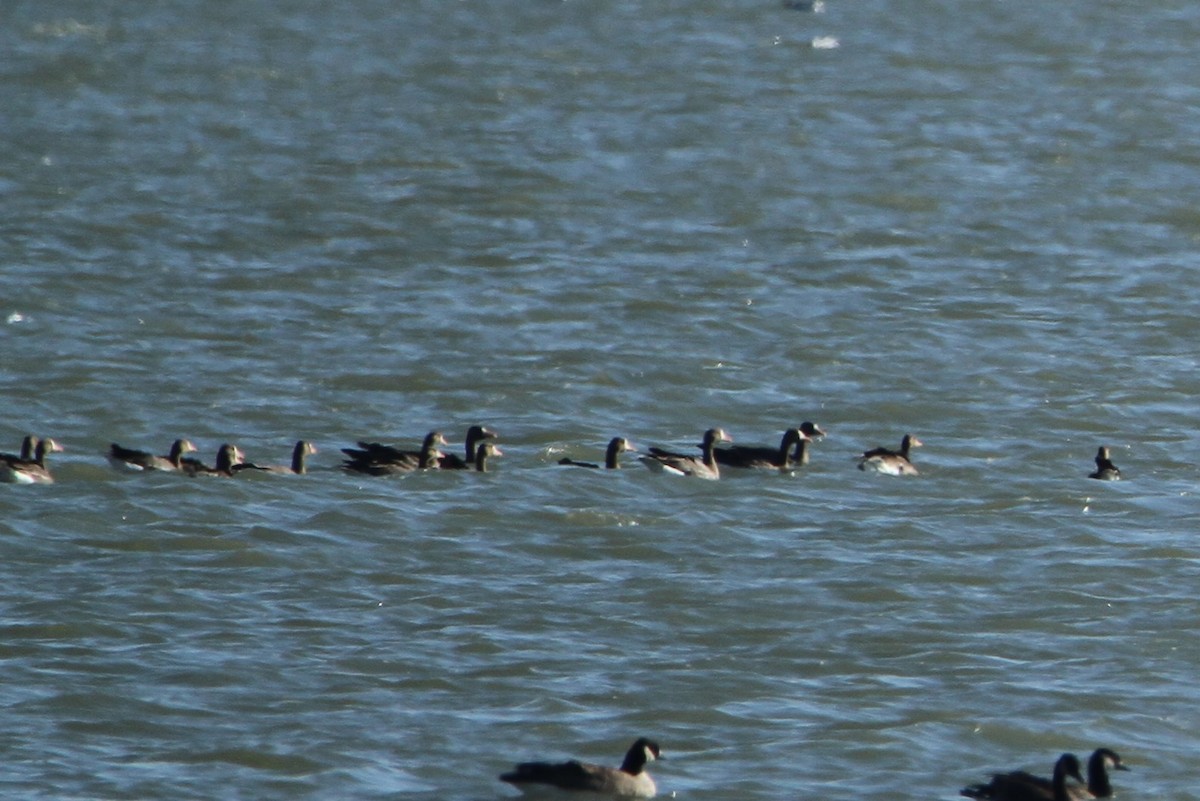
(381, 460)
(792, 451)
(630, 780)
(1105, 469)
(889, 462)
(1021, 786)
(299, 465)
(683, 464)
(475, 435)
(227, 457)
(130, 459)
(616, 446)
(484, 452)
(1098, 785)
(29, 471)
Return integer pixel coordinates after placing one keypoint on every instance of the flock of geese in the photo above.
(377, 459)
(631, 779)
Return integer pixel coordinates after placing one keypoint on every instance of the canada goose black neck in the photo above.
(29, 446)
(642, 751)
(1105, 469)
(1101, 760)
(612, 456)
(300, 456)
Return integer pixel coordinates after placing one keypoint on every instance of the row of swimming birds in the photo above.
(377, 459)
(631, 779)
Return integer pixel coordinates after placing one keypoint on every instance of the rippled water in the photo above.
(262, 222)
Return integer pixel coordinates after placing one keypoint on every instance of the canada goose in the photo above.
(792, 451)
(1098, 785)
(28, 450)
(630, 780)
(1021, 786)
(1105, 469)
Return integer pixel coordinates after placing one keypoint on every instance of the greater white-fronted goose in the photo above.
(612, 456)
(684, 464)
(227, 456)
(1022, 786)
(1105, 469)
(381, 460)
(791, 453)
(299, 465)
(130, 459)
(629, 781)
(475, 435)
(484, 452)
(889, 462)
(29, 471)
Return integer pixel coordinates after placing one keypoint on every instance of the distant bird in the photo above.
(1021, 786)
(130, 459)
(29, 471)
(792, 451)
(684, 464)
(612, 456)
(381, 460)
(1105, 469)
(227, 456)
(630, 780)
(484, 452)
(299, 465)
(889, 462)
(475, 435)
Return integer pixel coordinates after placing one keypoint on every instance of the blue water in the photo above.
(264, 222)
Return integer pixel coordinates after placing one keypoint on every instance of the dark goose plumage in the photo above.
(630, 780)
(889, 462)
(484, 452)
(28, 450)
(131, 459)
(1105, 469)
(15, 470)
(381, 460)
(227, 456)
(684, 464)
(299, 465)
(1021, 786)
(475, 435)
(1098, 784)
(792, 451)
(612, 456)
